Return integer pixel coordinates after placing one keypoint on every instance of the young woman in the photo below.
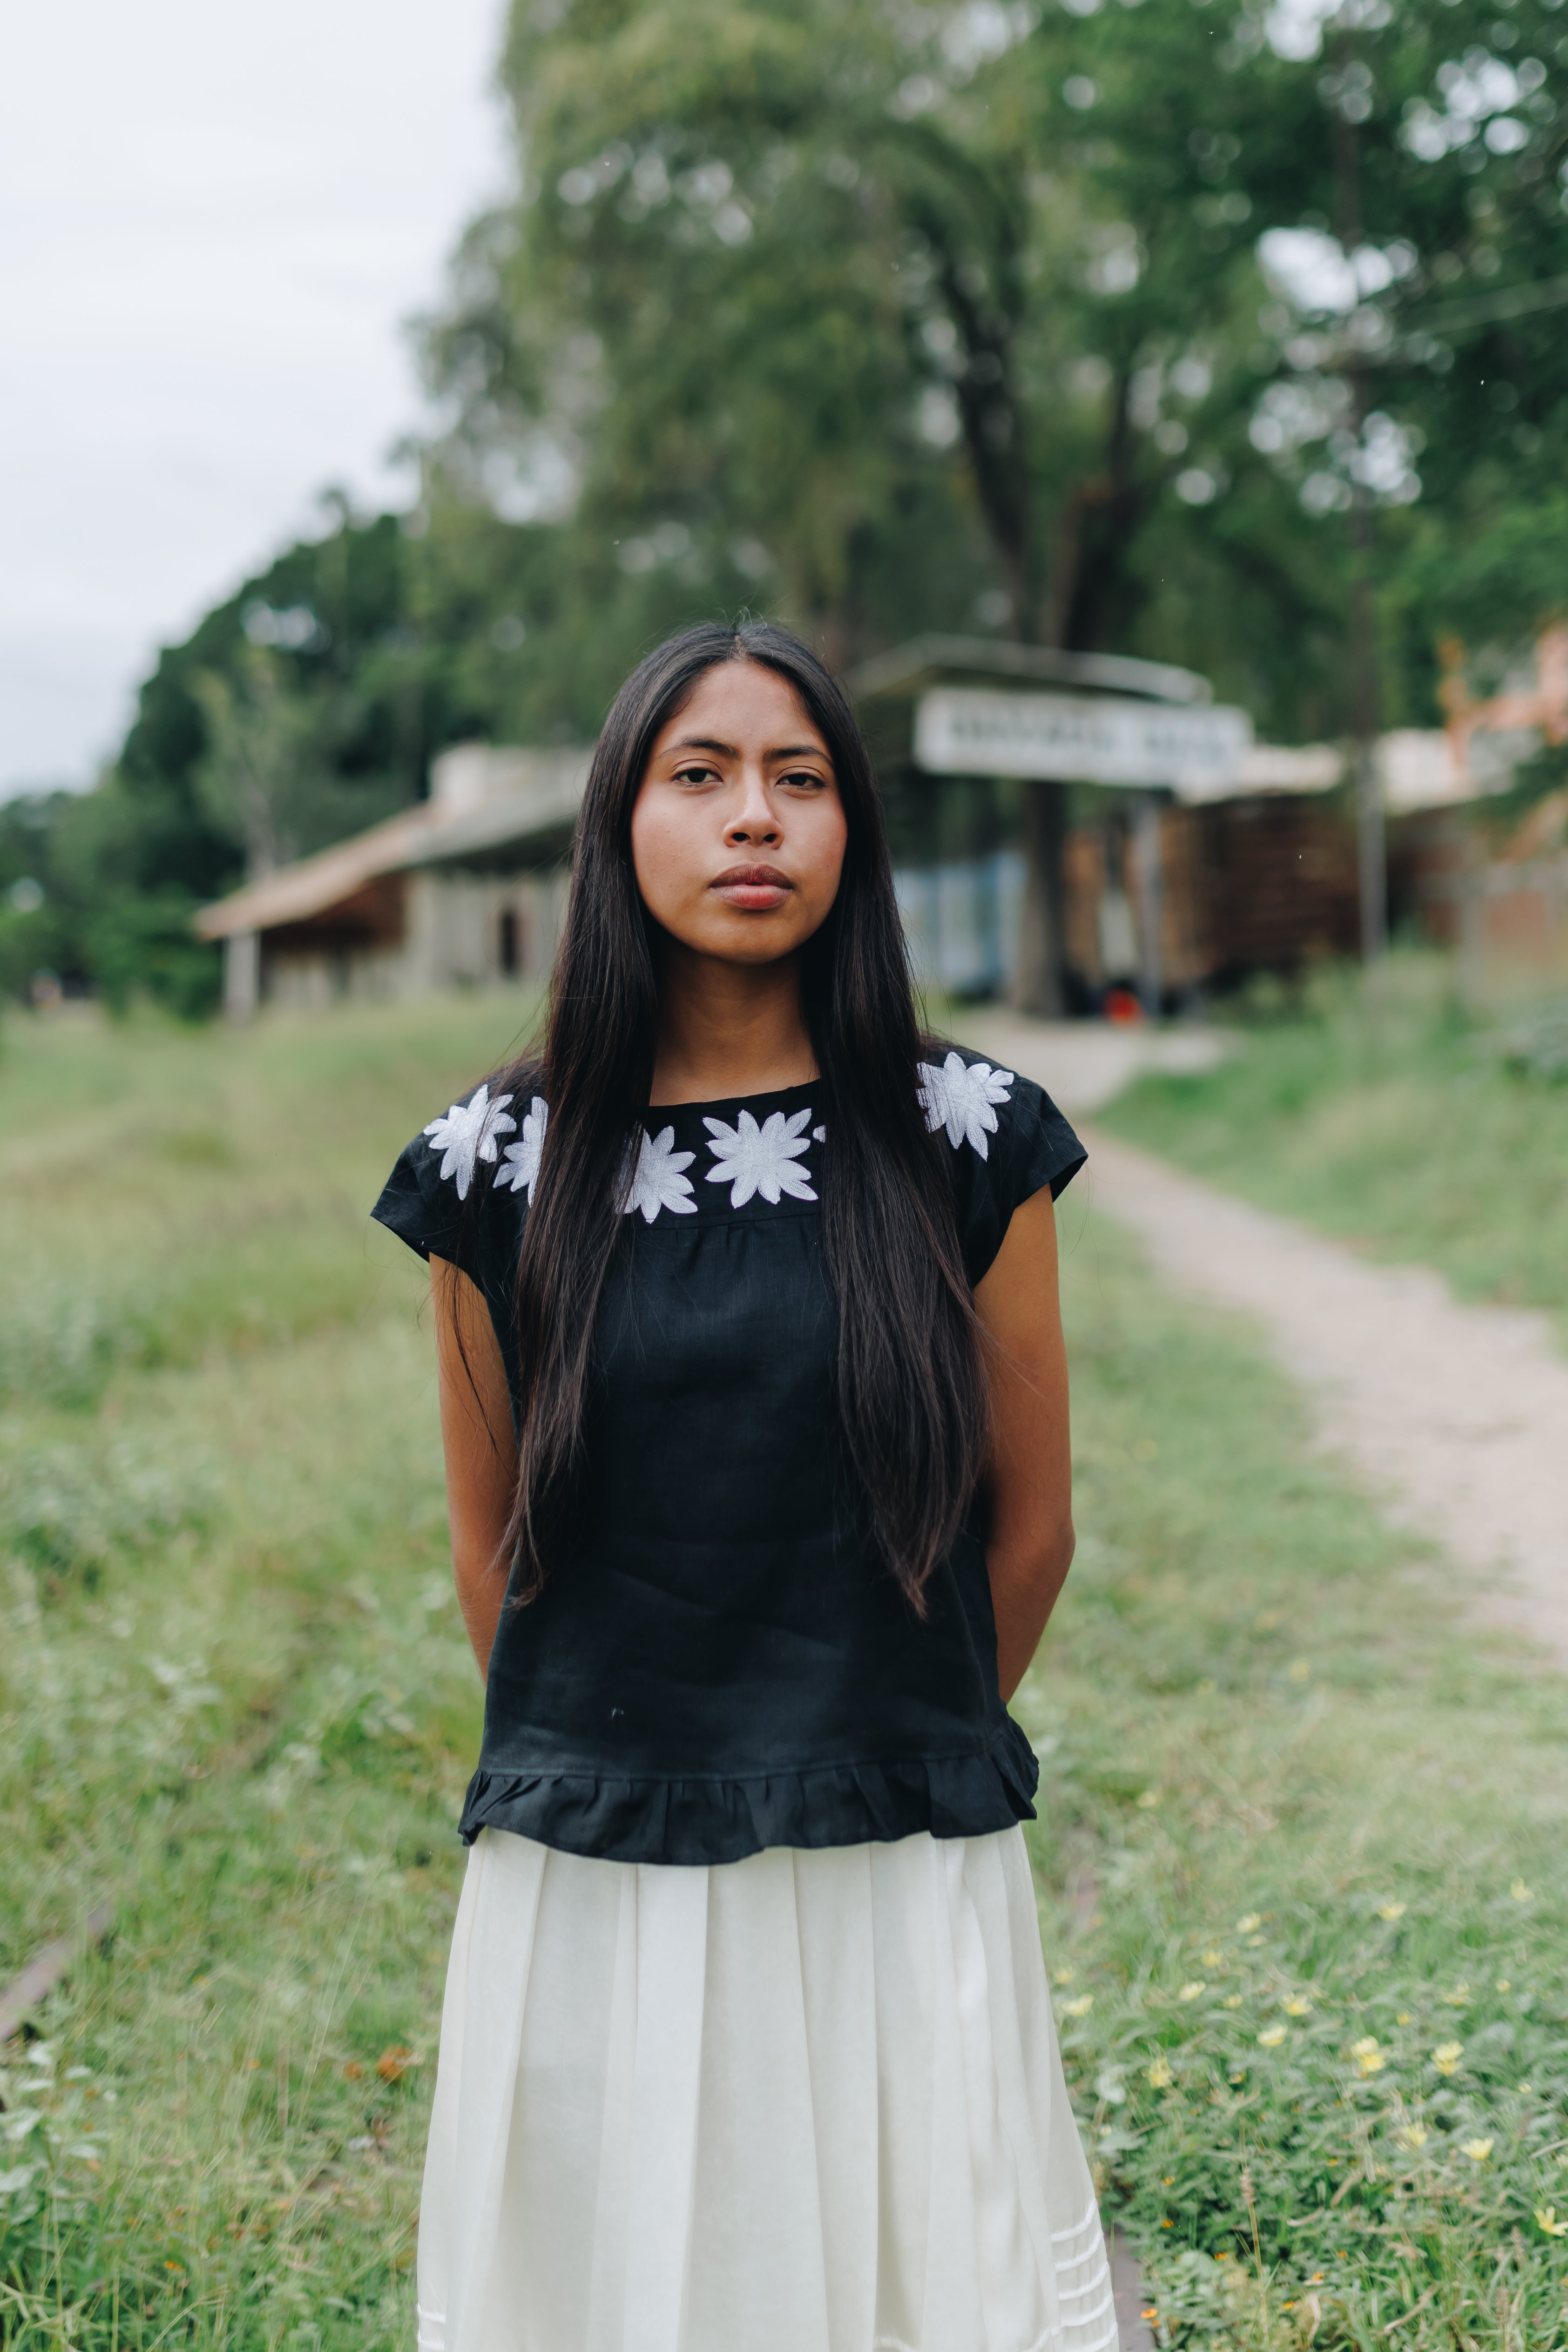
(755, 1414)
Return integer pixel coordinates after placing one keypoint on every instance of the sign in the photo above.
(1085, 739)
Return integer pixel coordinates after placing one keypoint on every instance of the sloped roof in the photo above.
(936, 660)
(544, 798)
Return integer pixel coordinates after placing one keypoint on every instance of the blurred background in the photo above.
(360, 415)
(1158, 412)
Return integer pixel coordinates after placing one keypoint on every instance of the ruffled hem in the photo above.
(871, 1801)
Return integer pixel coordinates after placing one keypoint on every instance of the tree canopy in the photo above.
(1085, 322)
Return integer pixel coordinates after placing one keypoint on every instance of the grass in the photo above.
(1324, 1827)
(1391, 1118)
(235, 1697)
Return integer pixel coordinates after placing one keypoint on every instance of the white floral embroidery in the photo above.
(656, 1181)
(521, 1171)
(960, 1096)
(754, 1159)
(819, 1135)
(470, 1132)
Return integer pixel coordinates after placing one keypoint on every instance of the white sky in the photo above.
(213, 222)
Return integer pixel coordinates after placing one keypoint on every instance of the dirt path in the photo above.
(1456, 1417)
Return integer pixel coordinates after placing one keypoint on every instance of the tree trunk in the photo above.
(1039, 977)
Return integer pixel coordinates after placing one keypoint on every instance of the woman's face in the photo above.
(738, 830)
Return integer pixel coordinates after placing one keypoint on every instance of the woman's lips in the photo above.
(755, 889)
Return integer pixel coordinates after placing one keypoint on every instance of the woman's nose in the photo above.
(753, 821)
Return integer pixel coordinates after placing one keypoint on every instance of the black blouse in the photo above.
(723, 1664)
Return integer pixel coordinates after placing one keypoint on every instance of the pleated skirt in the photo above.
(807, 2102)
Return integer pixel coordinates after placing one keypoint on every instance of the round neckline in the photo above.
(775, 1095)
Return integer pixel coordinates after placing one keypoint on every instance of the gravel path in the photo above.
(1454, 1417)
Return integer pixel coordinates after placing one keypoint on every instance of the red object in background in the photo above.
(1122, 1007)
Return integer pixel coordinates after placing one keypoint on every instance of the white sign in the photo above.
(1087, 739)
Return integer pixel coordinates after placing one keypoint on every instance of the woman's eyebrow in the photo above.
(730, 751)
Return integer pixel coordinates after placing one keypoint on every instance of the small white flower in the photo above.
(470, 1132)
(960, 1096)
(656, 1181)
(521, 1171)
(754, 1159)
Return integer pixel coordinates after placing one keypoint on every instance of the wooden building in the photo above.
(464, 888)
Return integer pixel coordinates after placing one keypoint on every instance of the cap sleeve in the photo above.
(1008, 1142)
(463, 1178)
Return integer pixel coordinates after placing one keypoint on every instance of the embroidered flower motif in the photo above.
(521, 1171)
(960, 1096)
(656, 1181)
(470, 1132)
(754, 1159)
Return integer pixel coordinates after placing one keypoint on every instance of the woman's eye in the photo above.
(699, 775)
(806, 779)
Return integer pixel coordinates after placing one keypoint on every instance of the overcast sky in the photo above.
(213, 222)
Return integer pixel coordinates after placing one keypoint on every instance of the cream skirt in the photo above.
(808, 2102)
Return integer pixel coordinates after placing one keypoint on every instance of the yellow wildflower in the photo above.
(1446, 2057)
(1298, 2006)
(1148, 1800)
(1298, 1669)
(1245, 1926)
(1392, 1910)
(1064, 1976)
(1191, 1992)
(1458, 1996)
(1213, 1959)
(1477, 2150)
(1412, 2136)
(1520, 1891)
(1503, 1985)
(1368, 2057)
(1078, 2007)
(1271, 2037)
(1231, 2000)
(1160, 2076)
(1403, 2018)
(1547, 2216)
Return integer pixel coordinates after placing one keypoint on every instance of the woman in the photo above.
(754, 1406)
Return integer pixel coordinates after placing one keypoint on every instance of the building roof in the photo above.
(482, 800)
(909, 670)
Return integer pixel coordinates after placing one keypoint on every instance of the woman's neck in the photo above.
(728, 1029)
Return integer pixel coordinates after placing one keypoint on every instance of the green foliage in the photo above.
(1380, 1110)
(1080, 323)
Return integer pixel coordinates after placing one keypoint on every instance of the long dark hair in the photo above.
(911, 1393)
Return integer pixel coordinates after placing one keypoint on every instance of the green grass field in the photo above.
(1312, 1831)
(1391, 1119)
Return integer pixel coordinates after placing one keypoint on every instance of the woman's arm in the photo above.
(481, 1453)
(1031, 1542)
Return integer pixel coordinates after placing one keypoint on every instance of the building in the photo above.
(465, 887)
(1067, 828)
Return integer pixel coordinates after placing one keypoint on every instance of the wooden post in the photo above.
(241, 974)
(1037, 982)
(1149, 890)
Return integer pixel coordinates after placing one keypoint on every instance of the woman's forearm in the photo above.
(481, 1592)
(1025, 1588)
(482, 1460)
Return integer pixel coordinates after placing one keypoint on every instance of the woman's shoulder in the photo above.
(1008, 1142)
(492, 1138)
(470, 1165)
